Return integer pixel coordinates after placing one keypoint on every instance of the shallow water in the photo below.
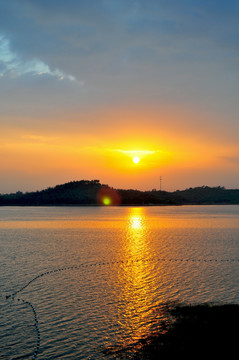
(87, 279)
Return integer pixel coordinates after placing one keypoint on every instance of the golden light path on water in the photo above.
(136, 281)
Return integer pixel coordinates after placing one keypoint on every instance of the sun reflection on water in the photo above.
(136, 222)
(136, 280)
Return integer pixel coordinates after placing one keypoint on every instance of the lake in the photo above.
(85, 280)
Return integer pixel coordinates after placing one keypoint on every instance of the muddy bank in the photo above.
(190, 331)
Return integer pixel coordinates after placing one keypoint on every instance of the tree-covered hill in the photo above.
(73, 193)
(208, 195)
(92, 192)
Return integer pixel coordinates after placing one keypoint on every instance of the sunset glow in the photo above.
(73, 156)
(125, 114)
(136, 159)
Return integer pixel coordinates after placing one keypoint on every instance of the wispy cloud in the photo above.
(230, 159)
(40, 138)
(11, 65)
(135, 152)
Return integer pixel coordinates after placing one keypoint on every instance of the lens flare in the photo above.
(108, 196)
(106, 201)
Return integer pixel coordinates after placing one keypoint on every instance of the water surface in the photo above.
(95, 276)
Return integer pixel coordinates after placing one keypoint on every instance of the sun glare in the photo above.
(136, 159)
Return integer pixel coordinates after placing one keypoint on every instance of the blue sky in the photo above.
(63, 62)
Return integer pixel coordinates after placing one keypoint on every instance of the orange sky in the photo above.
(47, 158)
(84, 88)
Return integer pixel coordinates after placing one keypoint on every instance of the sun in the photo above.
(136, 159)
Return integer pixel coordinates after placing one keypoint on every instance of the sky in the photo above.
(86, 86)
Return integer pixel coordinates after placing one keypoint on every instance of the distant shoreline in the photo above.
(121, 205)
(93, 193)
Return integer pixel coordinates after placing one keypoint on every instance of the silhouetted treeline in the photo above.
(82, 192)
(92, 192)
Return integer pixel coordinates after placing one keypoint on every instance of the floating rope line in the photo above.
(114, 262)
(29, 304)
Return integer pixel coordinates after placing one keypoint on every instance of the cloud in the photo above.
(11, 65)
(135, 152)
(32, 138)
(230, 159)
(114, 37)
(128, 51)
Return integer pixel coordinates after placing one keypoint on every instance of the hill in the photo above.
(92, 192)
